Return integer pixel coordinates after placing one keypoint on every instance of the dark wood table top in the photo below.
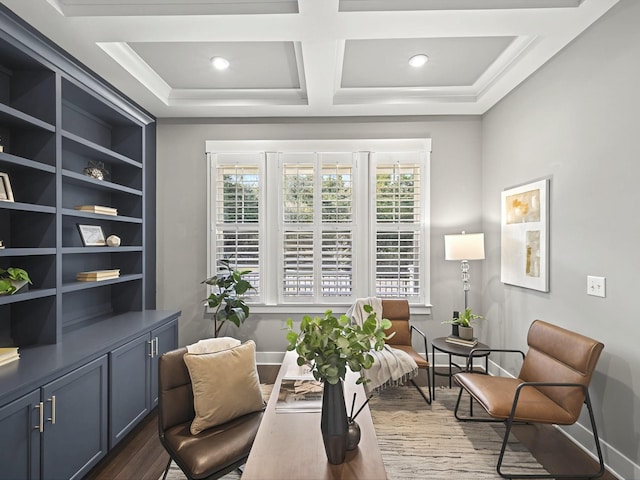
(442, 345)
(289, 445)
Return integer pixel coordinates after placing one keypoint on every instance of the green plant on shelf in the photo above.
(12, 279)
(465, 319)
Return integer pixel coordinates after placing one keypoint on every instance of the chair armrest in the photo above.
(523, 385)
(474, 351)
(424, 337)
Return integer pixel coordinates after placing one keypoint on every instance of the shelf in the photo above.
(28, 295)
(84, 180)
(26, 207)
(25, 163)
(24, 252)
(78, 145)
(15, 118)
(76, 286)
(92, 250)
(111, 218)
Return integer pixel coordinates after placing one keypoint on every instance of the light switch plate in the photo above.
(596, 286)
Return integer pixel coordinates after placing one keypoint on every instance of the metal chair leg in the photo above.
(166, 470)
(598, 474)
(428, 400)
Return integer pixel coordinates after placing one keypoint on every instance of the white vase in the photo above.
(465, 332)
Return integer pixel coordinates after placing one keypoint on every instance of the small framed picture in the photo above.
(92, 235)
(6, 194)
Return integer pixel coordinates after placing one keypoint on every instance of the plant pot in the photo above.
(333, 423)
(465, 332)
(20, 286)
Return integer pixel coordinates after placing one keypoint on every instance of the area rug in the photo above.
(419, 441)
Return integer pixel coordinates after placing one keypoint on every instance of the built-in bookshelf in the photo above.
(88, 349)
(52, 127)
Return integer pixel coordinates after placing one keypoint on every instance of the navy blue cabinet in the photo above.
(20, 424)
(75, 423)
(133, 378)
(58, 431)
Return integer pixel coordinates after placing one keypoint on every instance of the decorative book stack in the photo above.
(461, 341)
(97, 209)
(97, 275)
(8, 355)
(299, 396)
(299, 391)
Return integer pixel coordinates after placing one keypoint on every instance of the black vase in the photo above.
(334, 423)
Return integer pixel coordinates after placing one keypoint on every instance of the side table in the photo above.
(440, 344)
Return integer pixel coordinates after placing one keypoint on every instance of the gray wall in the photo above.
(576, 121)
(455, 205)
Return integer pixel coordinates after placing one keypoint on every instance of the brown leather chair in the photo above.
(551, 387)
(397, 311)
(213, 452)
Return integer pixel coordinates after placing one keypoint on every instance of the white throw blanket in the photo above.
(211, 345)
(391, 367)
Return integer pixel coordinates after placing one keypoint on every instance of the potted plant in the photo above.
(227, 298)
(328, 345)
(463, 322)
(13, 279)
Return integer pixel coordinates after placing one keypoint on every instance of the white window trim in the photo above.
(270, 303)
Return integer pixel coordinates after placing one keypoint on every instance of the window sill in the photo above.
(320, 309)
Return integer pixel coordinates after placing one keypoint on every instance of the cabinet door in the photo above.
(20, 439)
(75, 431)
(166, 339)
(129, 381)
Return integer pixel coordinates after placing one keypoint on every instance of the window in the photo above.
(322, 226)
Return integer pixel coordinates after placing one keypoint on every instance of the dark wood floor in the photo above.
(140, 455)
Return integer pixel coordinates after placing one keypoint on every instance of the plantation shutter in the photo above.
(238, 212)
(397, 220)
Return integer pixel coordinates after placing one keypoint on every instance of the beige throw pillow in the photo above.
(225, 385)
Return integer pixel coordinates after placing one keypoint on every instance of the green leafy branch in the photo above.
(227, 297)
(329, 344)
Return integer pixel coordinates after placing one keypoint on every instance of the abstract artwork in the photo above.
(525, 236)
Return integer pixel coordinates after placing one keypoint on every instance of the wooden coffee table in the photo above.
(289, 445)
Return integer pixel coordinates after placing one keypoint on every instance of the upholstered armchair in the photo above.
(213, 452)
(551, 387)
(397, 310)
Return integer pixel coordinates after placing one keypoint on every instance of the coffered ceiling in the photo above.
(312, 57)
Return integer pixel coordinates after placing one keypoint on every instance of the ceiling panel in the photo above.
(407, 5)
(86, 8)
(452, 61)
(306, 58)
(187, 65)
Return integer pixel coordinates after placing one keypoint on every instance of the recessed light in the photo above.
(220, 63)
(418, 60)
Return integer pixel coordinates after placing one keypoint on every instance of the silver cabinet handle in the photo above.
(150, 342)
(40, 426)
(52, 419)
(156, 342)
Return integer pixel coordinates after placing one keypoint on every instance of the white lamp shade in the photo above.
(466, 246)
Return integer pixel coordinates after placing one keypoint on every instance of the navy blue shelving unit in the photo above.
(80, 342)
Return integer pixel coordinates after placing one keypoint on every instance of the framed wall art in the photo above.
(91, 235)
(6, 194)
(524, 249)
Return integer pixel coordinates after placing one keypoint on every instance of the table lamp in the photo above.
(464, 247)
